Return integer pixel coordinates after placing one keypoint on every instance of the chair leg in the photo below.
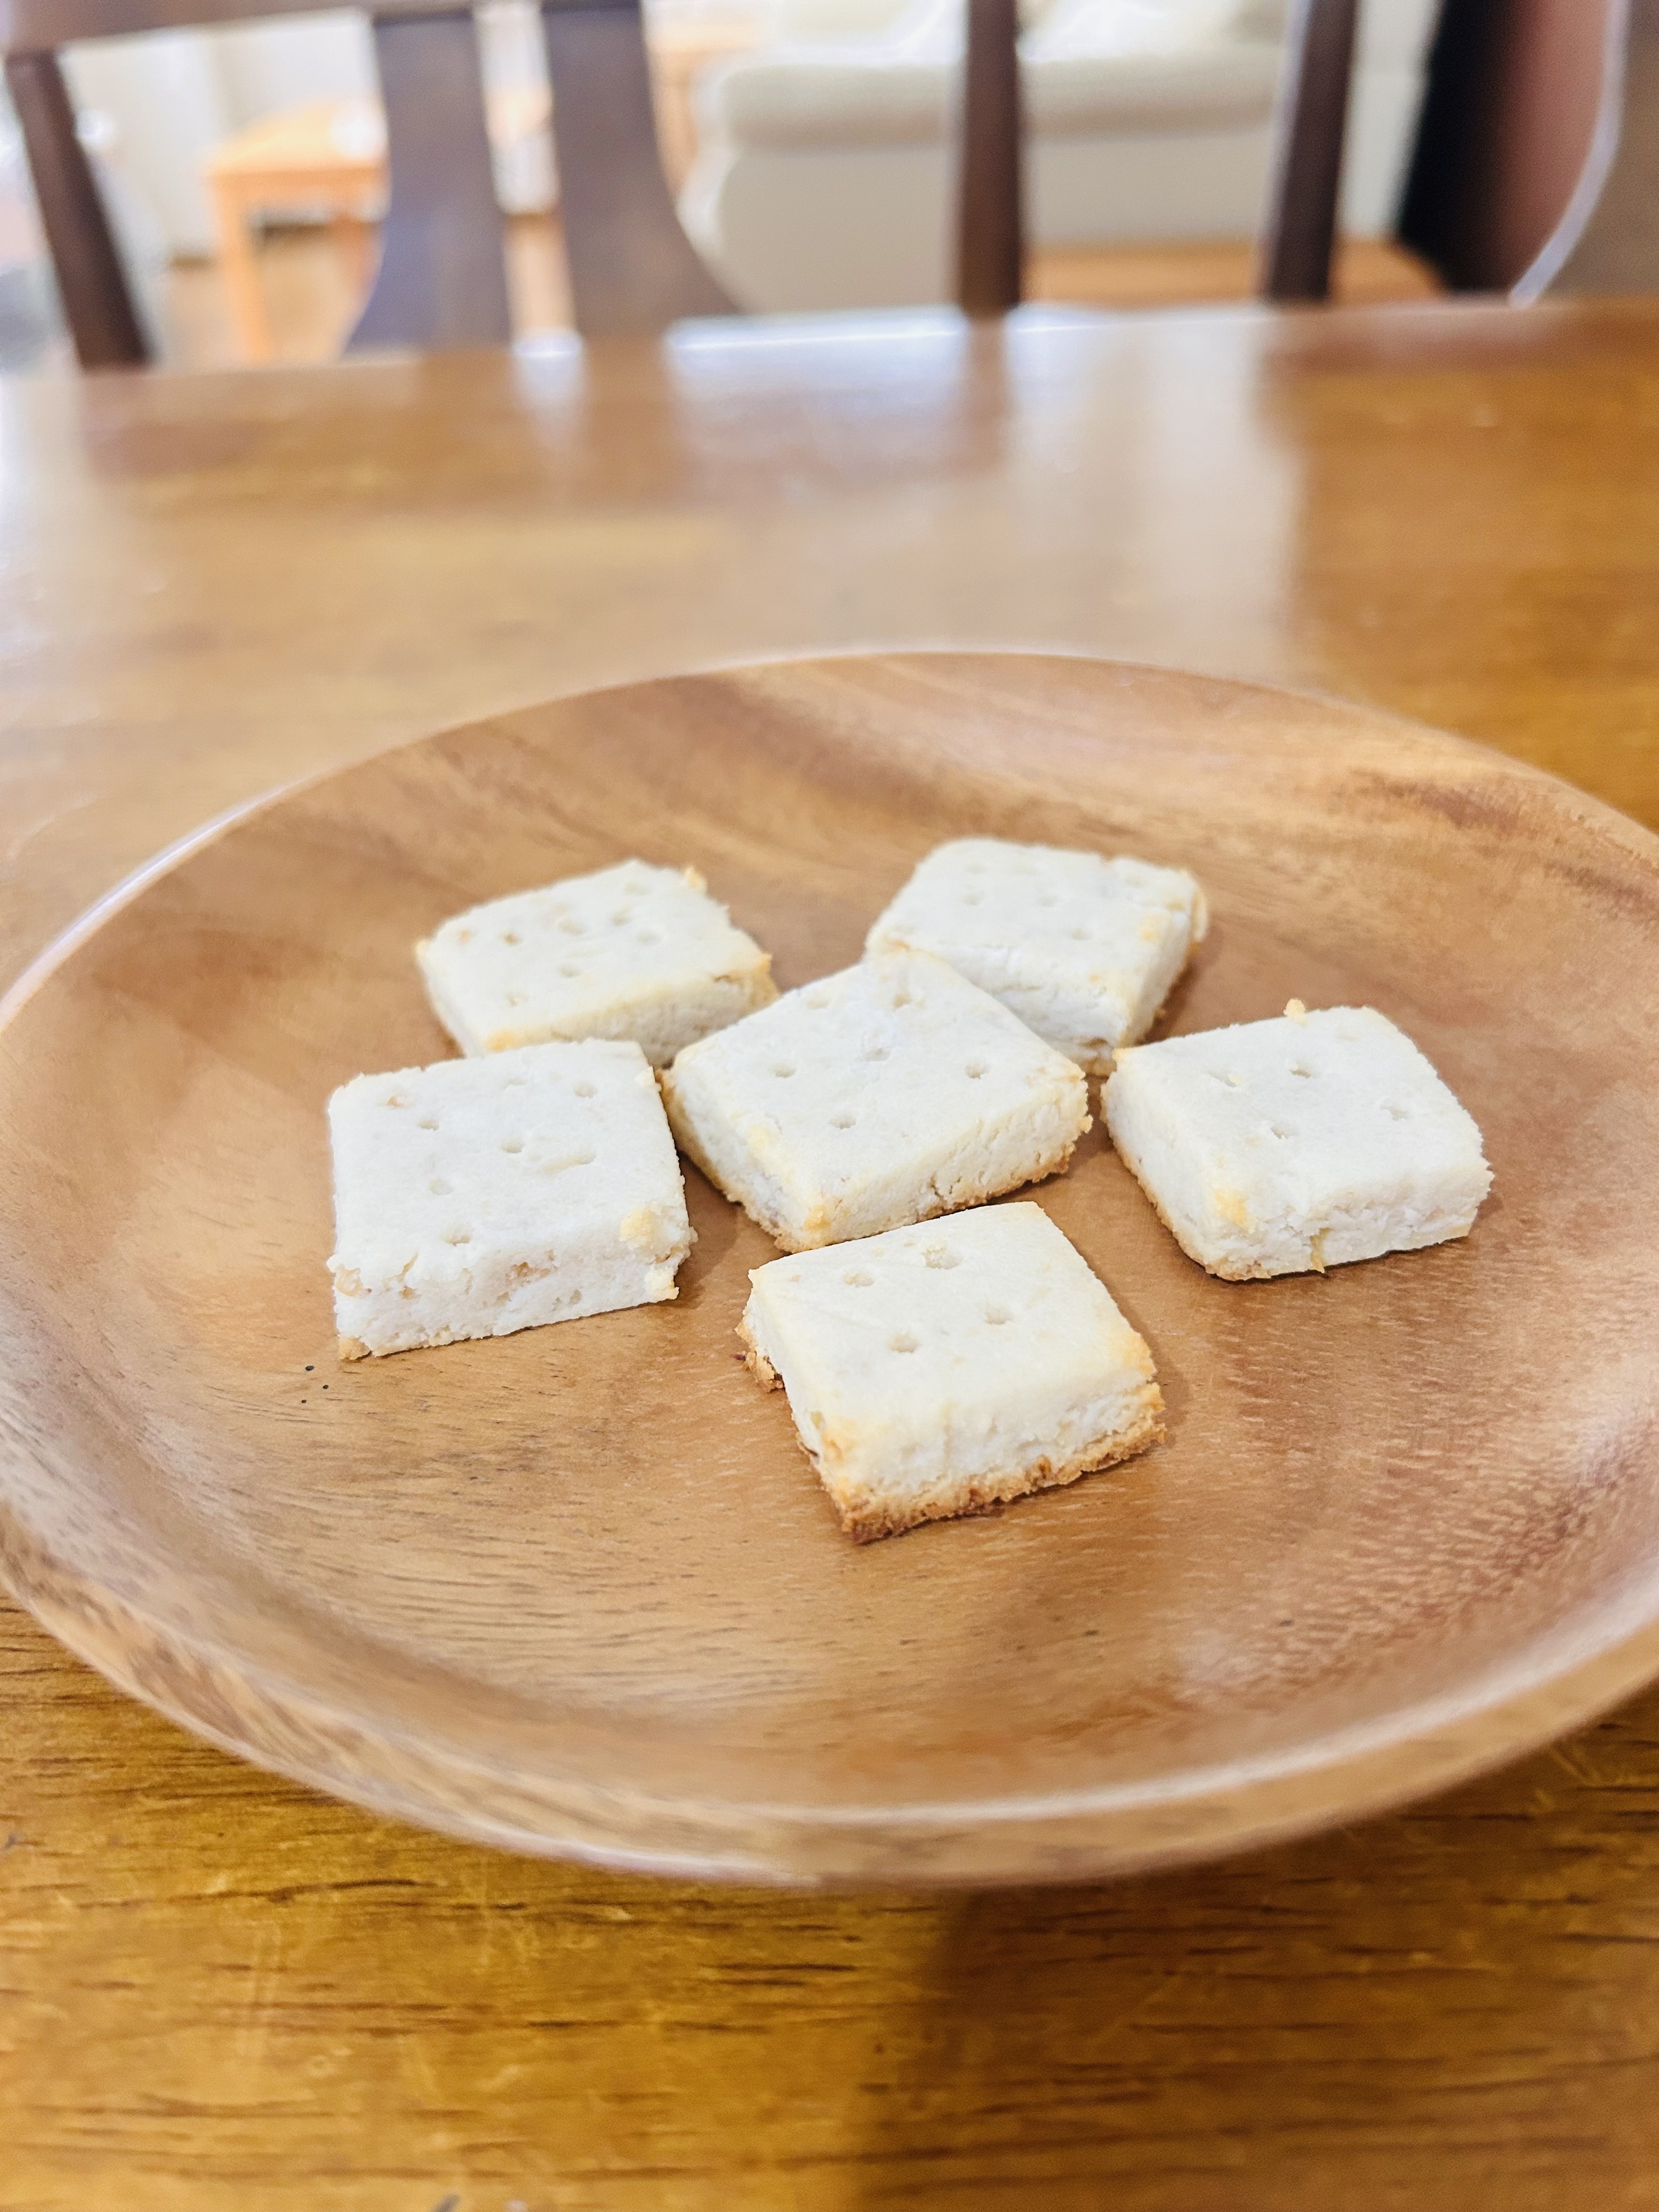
(1313, 119)
(633, 269)
(91, 282)
(990, 214)
(442, 278)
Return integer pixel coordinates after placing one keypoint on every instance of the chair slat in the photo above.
(1537, 166)
(633, 269)
(1308, 164)
(91, 284)
(442, 277)
(990, 215)
(35, 25)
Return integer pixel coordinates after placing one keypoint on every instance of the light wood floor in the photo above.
(313, 295)
(1369, 272)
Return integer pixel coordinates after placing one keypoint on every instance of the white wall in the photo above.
(163, 96)
(266, 67)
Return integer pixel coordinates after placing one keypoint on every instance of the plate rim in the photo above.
(1369, 1768)
(1400, 1764)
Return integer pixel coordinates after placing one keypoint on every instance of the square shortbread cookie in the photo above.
(885, 1095)
(1274, 1147)
(942, 1370)
(633, 951)
(1083, 949)
(481, 1196)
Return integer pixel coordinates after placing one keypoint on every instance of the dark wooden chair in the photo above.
(1607, 240)
(990, 198)
(441, 278)
(1313, 122)
(1536, 166)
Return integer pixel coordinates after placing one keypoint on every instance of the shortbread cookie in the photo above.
(481, 1196)
(1279, 1146)
(939, 1371)
(1083, 949)
(887, 1094)
(633, 951)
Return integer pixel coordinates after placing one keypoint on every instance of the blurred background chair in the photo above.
(327, 160)
(826, 152)
(1537, 162)
(280, 121)
(441, 277)
(426, 145)
(1536, 157)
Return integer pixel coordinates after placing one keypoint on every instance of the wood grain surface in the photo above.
(577, 1591)
(222, 1989)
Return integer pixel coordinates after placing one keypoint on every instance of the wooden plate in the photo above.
(576, 1591)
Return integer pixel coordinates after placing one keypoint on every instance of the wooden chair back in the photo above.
(442, 280)
(990, 159)
(1537, 166)
(1312, 124)
(1607, 240)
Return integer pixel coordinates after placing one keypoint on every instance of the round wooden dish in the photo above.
(576, 1591)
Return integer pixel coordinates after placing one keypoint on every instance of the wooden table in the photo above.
(216, 1990)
